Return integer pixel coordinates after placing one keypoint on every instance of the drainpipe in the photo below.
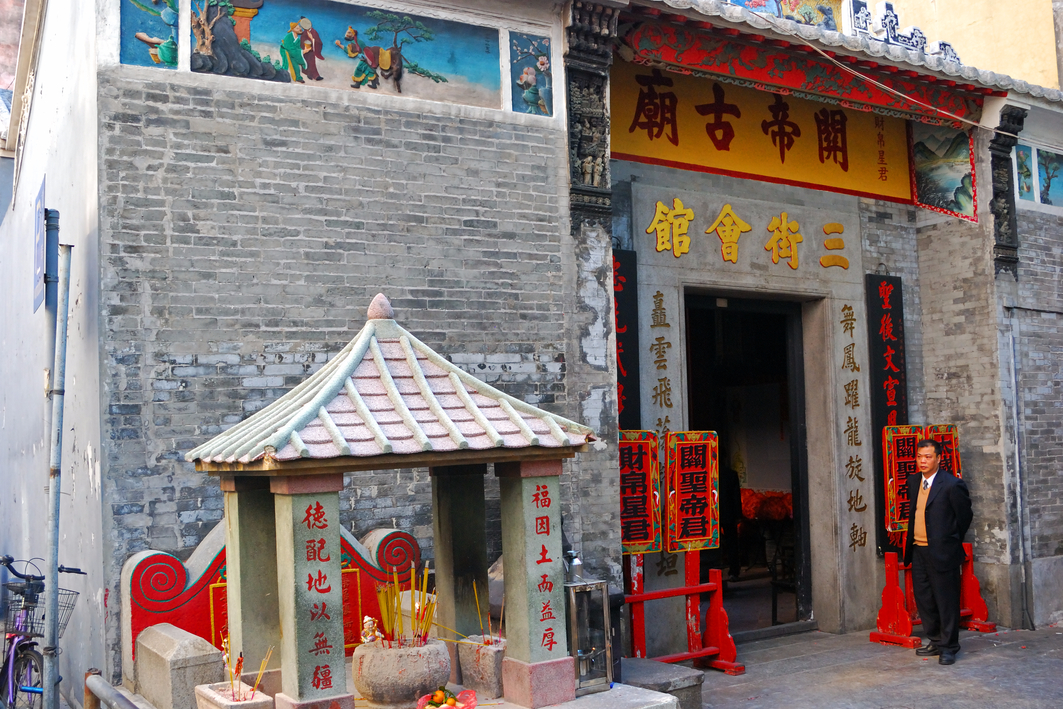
(1027, 620)
(51, 632)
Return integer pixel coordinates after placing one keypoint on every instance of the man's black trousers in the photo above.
(937, 597)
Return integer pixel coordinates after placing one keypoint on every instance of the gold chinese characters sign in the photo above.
(693, 123)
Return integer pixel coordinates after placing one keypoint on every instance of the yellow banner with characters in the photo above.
(693, 123)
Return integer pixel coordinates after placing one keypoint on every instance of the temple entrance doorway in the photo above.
(746, 382)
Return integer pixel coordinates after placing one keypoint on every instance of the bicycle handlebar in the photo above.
(9, 560)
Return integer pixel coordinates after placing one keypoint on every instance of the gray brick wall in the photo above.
(242, 236)
(889, 234)
(1039, 334)
(962, 370)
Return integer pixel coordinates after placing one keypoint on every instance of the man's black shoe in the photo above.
(928, 651)
(947, 658)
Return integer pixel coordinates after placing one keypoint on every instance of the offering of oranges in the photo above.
(444, 698)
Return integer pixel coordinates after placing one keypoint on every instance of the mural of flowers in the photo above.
(532, 78)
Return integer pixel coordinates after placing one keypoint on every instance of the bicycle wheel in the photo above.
(29, 672)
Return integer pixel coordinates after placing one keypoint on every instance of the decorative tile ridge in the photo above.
(869, 44)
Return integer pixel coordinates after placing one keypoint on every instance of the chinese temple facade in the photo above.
(791, 223)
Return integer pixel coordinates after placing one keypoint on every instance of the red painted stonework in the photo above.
(160, 590)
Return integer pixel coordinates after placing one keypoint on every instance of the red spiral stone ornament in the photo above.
(159, 579)
(398, 551)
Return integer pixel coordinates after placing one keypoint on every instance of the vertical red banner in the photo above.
(898, 451)
(693, 489)
(640, 492)
(949, 438)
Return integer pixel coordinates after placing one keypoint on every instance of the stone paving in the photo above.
(1015, 669)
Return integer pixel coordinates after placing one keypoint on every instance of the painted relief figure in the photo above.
(1024, 164)
(149, 32)
(529, 59)
(216, 48)
(292, 53)
(942, 174)
(344, 46)
(311, 49)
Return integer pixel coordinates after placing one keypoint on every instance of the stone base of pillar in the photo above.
(338, 701)
(539, 684)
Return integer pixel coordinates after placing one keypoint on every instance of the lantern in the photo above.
(588, 631)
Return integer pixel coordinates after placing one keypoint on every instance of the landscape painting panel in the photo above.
(148, 33)
(349, 47)
(1048, 167)
(529, 61)
(942, 172)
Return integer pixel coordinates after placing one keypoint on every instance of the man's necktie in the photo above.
(926, 484)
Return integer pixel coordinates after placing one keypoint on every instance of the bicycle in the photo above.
(22, 672)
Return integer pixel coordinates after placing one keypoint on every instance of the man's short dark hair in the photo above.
(929, 443)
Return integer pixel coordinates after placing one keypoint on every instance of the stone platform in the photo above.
(621, 696)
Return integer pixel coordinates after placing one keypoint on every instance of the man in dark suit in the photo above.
(938, 518)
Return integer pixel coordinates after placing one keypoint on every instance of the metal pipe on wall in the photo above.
(57, 394)
(1027, 620)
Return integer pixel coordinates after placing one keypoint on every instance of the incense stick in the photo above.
(501, 615)
(262, 670)
(479, 615)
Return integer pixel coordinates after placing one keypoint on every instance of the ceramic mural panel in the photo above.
(943, 170)
(351, 47)
(532, 74)
(825, 14)
(1024, 166)
(148, 33)
(1048, 167)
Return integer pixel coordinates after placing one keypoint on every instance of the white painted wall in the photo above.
(61, 148)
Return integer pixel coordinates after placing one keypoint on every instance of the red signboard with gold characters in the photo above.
(640, 492)
(898, 452)
(693, 489)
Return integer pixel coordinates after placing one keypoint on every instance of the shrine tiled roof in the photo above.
(388, 393)
(737, 15)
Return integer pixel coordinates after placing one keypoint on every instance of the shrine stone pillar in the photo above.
(537, 670)
(459, 526)
(313, 670)
(251, 568)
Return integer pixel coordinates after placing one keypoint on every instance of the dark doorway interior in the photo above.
(746, 383)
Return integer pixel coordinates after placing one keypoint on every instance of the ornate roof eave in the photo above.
(387, 401)
(934, 67)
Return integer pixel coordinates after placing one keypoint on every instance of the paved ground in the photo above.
(1013, 669)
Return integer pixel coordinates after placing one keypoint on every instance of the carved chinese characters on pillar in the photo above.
(640, 492)
(318, 600)
(852, 437)
(545, 600)
(888, 403)
(693, 491)
(625, 311)
(659, 349)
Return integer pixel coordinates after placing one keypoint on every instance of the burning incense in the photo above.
(479, 615)
(262, 670)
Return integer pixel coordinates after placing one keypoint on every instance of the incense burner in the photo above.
(395, 677)
(221, 696)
